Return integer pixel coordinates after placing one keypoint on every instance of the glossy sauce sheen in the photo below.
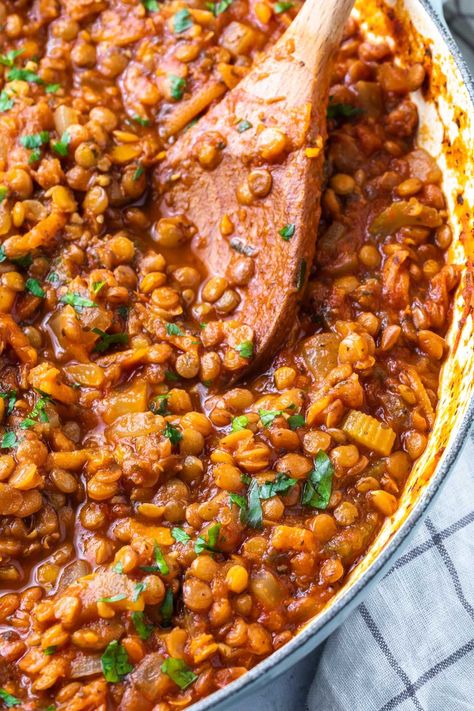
(163, 530)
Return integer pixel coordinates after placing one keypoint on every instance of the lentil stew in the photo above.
(163, 529)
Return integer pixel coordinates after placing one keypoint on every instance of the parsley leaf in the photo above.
(254, 511)
(138, 173)
(143, 630)
(166, 608)
(53, 278)
(8, 59)
(114, 661)
(177, 86)
(16, 74)
(137, 591)
(243, 125)
(36, 415)
(8, 699)
(115, 598)
(108, 339)
(118, 567)
(34, 140)
(97, 286)
(34, 287)
(61, 147)
(8, 440)
(179, 672)
(10, 398)
(245, 349)
(150, 5)
(161, 564)
(296, 421)
(210, 544)
(182, 21)
(280, 485)
(239, 423)
(143, 121)
(317, 489)
(241, 502)
(280, 7)
(3, 195)
(179, 535)
(287, 232)
(52, 88)
(173, 434)
(6, 102)
(79, 302)
(50, 650)
(169, 375)
(159, 405)
(267, 416)
(217, 8)
(173, 330)
(342, 111)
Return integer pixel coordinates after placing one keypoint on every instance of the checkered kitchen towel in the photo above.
(410, 645)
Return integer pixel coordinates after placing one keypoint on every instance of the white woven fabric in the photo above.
(410, 645)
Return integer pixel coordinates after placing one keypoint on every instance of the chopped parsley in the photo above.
(251, 512)
(280, 485)
(245, 349)
(34, 287)
(317, 489)
(118, 567)
(177, 86)
(254, 507)
(61, 147)
(52, 88)
(172, 433)
(243, 125)
(217, 8)
(179, 535)
(267, 416)
(114, 661)
(97, 286)
(8, 59)
(3, 195)
(179, 672)
(50, 650)
(10, 400)
(108, 339)
(280, 7)
(161, 566)
(169, 375)
(166, 608)
(6, 102)
(141, 120)
(138, 172)
(25, 261)
(150, 5)
(8, 699)
(35, 141)
(296, 421)
(79, 302)
(9, 440)
(239, 423)
(143, 629)
(27, 75)
(287, 232)
(342, 111)
(159, 405)
(211, 543)
(53, 278)
(241, 502)
(137, 591)
(182, 21)
(38, 414)
(173, 330)
(115, 598)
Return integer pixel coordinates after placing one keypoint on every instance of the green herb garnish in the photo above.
(79, 302)
(150, 5)
(245, 349)
(10, 399)
(118, 567)
(182, 21)
(8, 699)
(97, 286)
(239, 423)
(50, 650)
(159, 405)
(217, 8)
(287, 232)
(241, 502)
(52, 88)
(179, 672)
(161, 566)
(16, 74)
(138, 173)
(317, 489)
(9, 440)
(341, 111)
(296, 421)
(177, 86)
(280, 7)
(6, 102)
(254, 507)
(8, 59)
(172, 433)
(61, 147)
(115, 664)
(173, 330)
(267, 416)
(179, 535)
(280, 485)
(166, 608)
(114, 598)
(210, 544)
(143, 629)
(3, 195)
(34, 287)
(108, 339)
(137, 591)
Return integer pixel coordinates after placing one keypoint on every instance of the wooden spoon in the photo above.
(249, 175)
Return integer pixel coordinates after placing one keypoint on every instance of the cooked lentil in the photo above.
(163, 530)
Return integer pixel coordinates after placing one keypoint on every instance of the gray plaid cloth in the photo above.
(410, 645)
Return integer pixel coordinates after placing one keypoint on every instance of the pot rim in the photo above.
(326, 621)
